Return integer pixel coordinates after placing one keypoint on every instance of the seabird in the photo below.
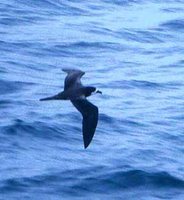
(77, 93)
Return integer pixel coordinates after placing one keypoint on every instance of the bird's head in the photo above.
(91, 90)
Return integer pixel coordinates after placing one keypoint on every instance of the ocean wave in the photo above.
(139, 84)
(37, 129)
(174, 25)
(7, 87)
(78, 180)
(31, 12)
(137, 178)
(123, 3)
(81, 49)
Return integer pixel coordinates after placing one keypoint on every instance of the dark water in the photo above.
(131, 50)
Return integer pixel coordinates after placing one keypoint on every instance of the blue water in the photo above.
(130, 50)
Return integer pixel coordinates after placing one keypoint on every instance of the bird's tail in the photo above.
(55, 97)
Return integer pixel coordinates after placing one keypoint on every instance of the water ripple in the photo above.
(174, 25)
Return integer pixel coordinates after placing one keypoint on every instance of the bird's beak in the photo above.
(98, 91)
(55, 97)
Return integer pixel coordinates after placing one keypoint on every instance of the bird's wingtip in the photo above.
(65, 70)
(86, 146)
(71, 70)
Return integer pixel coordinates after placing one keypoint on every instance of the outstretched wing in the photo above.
(73, 78)
(90, 118)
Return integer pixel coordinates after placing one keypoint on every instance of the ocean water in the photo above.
(130, 50)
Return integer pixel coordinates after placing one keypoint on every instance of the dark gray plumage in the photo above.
(77, 93)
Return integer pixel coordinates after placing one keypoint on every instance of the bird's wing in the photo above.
(90, 118)
(73, 78)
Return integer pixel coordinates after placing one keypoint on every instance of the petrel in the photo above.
(77, 93)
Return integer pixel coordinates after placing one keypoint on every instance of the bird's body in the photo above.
(77, 93)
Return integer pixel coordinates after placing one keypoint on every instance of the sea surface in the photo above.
(131, 50)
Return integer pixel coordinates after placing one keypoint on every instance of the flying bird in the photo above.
(77, 93)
